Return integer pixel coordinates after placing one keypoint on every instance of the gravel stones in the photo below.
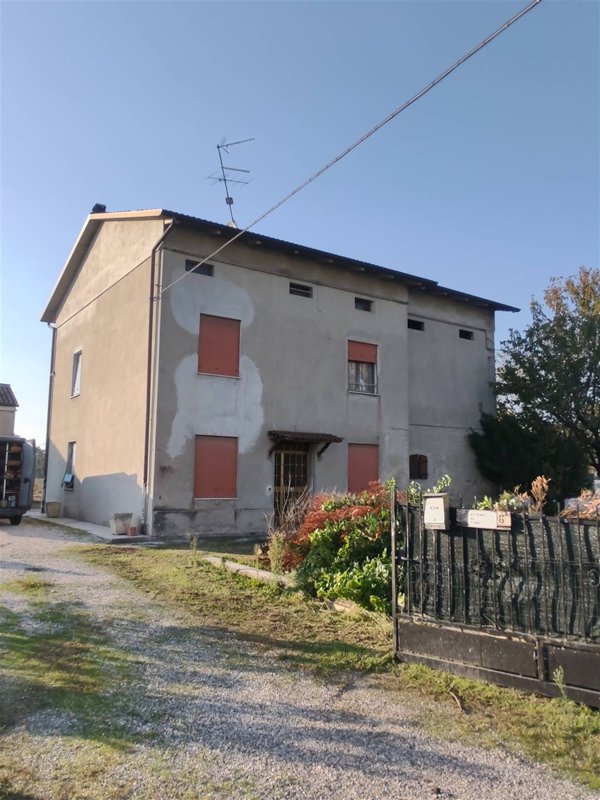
(210, 716)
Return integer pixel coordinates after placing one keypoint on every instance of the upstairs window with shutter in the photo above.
(362, 367)
(219, 346)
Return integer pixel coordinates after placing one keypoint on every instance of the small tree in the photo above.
(509, 454)
(550, 373)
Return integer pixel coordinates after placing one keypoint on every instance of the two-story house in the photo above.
(196, 396)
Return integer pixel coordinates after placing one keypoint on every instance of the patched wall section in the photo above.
(293, 376)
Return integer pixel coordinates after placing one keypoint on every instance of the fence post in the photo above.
(394, 541)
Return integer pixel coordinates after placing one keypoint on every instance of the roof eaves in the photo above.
(85, 238)
(83, 241)
(7, 396)
(298, 249)
(474, 299)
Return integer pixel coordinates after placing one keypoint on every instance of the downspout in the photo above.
(151, 300)
(49, 413)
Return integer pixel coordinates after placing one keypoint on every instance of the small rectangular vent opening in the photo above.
(192, 265)
(362, 304)
(464, 334)
(301, 289)
(416, 325)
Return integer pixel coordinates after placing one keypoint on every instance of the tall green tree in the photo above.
(550, 373)
(510, 454)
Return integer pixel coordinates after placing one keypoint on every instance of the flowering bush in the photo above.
(342, 547)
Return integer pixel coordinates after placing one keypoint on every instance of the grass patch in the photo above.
(30, 585)
(558, 731)
(267, 614)
(240, 550)
(305, 634)
(53, 656)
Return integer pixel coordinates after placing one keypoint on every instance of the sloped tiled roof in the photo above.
(7, 396)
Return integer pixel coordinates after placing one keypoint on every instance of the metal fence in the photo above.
(532, 592)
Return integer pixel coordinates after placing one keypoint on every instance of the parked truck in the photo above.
(17, 473)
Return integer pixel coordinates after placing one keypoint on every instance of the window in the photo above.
(68, 480)
(76, 374)
(418, 467)
(215, 469)
(363, 466)
(301, 289)
(362, 367)
(363, 305)
(219, 346)
(191, 265)
(463, 334)
(416, 324)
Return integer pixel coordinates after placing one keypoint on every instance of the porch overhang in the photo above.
(306, 437)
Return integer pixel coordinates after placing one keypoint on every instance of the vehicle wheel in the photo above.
(16, 520)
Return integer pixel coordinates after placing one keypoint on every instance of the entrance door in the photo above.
(291, 474)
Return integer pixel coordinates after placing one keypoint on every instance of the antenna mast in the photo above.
(226, 178)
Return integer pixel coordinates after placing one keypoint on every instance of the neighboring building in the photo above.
(274, 365)
(8, 409)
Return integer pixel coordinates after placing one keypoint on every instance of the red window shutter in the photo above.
(219, 346)
(363, 466)
(361, 351)
(215, 471)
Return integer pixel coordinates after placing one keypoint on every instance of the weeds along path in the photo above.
(109, 694)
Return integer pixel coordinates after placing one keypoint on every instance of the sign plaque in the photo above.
(488, 520)
(435, 511)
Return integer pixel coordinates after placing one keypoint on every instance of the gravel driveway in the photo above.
(212, 717)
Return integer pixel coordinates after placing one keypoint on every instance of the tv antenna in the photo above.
(225, 175)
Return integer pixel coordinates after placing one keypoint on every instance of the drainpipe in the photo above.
(49, 413)
(151, 300)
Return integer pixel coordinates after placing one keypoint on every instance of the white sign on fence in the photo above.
(435, 511)
(490, 520)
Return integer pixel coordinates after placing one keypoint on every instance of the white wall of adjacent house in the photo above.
(99, 390)
(7, 421)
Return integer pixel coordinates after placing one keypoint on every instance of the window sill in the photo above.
(219, 499)
(218, 375)
(363, 394)
(73, 396)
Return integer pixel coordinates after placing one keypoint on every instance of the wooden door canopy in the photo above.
(278, 437)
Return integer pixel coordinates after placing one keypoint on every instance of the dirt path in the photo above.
(197, 714)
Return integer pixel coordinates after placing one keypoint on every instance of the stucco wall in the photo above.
(107, 419)
(432, 385)
(451, 382)
(293, 376)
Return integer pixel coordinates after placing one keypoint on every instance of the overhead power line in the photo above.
(366, 135)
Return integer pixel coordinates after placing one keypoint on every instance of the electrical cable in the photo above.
(364, 137)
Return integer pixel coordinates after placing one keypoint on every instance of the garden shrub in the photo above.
(369, 584)
(342, 548)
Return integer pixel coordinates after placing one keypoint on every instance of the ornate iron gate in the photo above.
(510, 606)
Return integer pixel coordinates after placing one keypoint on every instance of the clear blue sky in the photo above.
(489, 185)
